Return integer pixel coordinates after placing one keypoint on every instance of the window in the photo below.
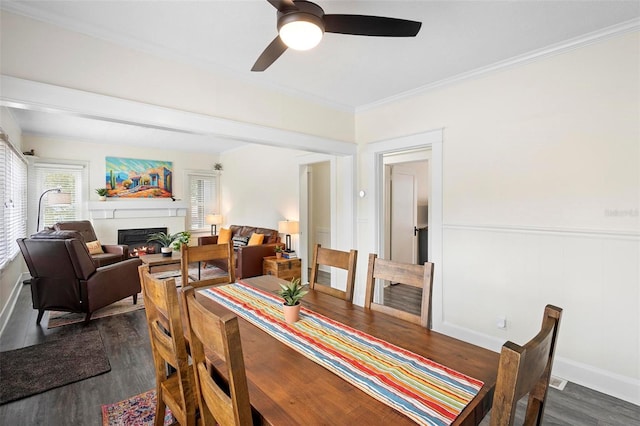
(13, 188)
(203, 198)
(69, 178)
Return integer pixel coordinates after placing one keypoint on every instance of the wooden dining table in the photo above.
(287, 388)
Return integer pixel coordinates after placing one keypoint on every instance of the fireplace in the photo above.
(136, 239)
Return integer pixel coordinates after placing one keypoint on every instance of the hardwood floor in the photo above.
(404, 297)
(126, 341)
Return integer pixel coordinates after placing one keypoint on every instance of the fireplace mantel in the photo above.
(123, 209)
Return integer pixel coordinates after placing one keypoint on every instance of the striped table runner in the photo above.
(425, 391)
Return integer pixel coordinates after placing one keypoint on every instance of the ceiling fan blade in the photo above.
(283, 5)
(270, 54)
(370, 25)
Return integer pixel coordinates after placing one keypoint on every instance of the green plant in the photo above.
(102, 192)
(278, 249)
(170, 240)
(183, 238)
(292, 292)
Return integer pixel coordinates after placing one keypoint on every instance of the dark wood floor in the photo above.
(127, 344)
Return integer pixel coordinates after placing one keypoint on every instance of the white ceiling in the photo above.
(344, 71)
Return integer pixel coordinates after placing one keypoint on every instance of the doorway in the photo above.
(319, 213)
(407, 179)
(407, 186)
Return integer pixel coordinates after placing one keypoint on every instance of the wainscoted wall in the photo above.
(323, 237)
(592, 276)
(541, 191)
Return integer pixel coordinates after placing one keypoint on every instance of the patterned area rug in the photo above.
(138, 410)
(58, 319)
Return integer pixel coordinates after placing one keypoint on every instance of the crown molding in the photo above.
(555, 49)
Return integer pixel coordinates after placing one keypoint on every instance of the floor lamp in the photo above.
(288, 227)
(58, 198)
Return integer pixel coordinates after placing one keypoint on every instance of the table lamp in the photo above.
(58, 198)
(288, 227)
(213, 220)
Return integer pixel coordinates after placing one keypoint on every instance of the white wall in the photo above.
(541, 192)
(320, 205)
(260, 187)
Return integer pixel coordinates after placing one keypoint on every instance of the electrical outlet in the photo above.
(501, 322)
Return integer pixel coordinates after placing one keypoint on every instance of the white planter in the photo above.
(166, 251)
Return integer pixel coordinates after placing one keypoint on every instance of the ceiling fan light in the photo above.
(301, 35)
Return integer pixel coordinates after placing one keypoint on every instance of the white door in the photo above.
(403, 211)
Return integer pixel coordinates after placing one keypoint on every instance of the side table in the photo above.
(285, 269)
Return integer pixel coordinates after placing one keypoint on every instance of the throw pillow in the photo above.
(239, 241)
(94, 247)
(225, 236)
(256, 239)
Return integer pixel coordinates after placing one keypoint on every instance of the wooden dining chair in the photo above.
(338, 259)
(420, 276)
(175, 386)
(203, 255)
(221, 402)
(526, 369)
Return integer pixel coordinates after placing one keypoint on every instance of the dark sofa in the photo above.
(248, 259)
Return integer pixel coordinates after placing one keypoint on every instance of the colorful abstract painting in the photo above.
(133, 178)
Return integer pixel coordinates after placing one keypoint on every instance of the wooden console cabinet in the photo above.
(286, 269)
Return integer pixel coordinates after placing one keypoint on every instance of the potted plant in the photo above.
(278, 251)
(169, 242)
(292, 293)
(102, 192)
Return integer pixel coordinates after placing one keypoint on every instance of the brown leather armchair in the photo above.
(65, 278)
(112, 253)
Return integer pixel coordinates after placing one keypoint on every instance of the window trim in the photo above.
(11, 256)
(82, 203)
(188, 174)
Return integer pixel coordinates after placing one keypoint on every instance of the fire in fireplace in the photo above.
(136, 239)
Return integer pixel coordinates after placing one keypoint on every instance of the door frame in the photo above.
(342, 193)
(375, 151)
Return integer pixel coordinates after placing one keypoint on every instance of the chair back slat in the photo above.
(225, 403)
(526, 370)
(202, 255)
(420, 276)
(175, 385)
(338, 259)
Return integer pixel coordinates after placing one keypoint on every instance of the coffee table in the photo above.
(156, 260)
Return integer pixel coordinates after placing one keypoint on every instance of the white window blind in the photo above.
(67, 177)
(203, 199)
(13, 188)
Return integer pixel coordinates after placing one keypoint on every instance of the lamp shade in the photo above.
(288, 227)
(214, 219)
(58, 198)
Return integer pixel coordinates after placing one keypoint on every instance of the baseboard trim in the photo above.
(616, 385)
(11, 302)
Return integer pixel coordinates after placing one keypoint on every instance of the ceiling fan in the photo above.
(301, 25)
